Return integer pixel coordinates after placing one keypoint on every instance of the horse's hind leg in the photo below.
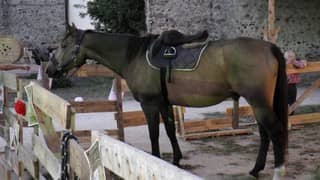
(273, 127)
(151, 111)
(264, 145)
(168, 119)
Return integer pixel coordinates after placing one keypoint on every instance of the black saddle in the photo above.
(175, 38)
(170, 50)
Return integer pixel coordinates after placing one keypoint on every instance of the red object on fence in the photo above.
(20, 107)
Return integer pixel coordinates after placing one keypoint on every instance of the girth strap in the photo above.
(163, 80)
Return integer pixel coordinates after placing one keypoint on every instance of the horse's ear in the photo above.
(68, 28)
(72, 29)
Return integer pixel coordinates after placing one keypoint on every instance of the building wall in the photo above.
(34, 22)
(299, 20)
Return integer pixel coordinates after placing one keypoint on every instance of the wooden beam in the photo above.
(243, 111)
(271, 21)
(206, 125)
(231, 132)
(52, 139)
(131, 163)
(304, 118)
(94, 106)
(119, 107)
(5, 169)
(29, 161)
(133, 118)
(304, 95)
(235, 114)
(78, 161)
(46, 157)
(311, 67)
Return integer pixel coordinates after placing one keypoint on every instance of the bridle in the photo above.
(75, 51)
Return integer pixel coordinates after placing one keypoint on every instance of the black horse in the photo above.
(253, 69)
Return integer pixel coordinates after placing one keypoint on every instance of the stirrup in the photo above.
(170, 53)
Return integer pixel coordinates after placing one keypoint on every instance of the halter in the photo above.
(75, 51)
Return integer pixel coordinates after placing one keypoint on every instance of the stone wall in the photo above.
(299, 20)
(34, 22)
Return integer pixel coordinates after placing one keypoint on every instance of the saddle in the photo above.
(175, 38)
(173, 50)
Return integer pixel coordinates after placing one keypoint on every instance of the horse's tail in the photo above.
(280, 100)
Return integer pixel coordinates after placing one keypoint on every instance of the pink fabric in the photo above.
(295, 78)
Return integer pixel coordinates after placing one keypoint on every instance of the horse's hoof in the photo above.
(254, 174)
(251, 177)
(176, 160)
(176, 163)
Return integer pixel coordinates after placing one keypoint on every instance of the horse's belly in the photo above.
(199, 94)
(195, 101)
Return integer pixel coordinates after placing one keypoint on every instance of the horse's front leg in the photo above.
(168, 119)
(151, 111)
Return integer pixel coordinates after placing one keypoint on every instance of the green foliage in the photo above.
(121, 16)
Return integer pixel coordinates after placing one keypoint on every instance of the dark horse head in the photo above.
(69, 54)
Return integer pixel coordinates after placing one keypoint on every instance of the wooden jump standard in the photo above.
(15, 150)
(122, 159)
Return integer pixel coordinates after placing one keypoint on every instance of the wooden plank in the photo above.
(78, 161)
(235, 114)
(84, 138)
(52, 105)
(94, 70)
(131, 163)
(9, 80)
(231, 132)
(304, 118)
(94, 106)
(304, 95)
(119, 107)
(311, 67)
(13, 161)
(206, 125)
(271, 21)
(51, 137)
(133, 118)
(46, 157)
(29, 161)
(243, 111)
(5, 168)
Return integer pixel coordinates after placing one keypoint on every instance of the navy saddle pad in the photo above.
(181, 57)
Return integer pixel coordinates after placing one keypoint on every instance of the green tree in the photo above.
(121, 16)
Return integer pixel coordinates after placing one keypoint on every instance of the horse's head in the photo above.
(69, 54)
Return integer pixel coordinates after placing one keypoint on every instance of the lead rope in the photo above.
(64, 154)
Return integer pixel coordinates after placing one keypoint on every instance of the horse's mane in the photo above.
(148, 35)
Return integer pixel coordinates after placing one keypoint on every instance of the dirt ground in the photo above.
(212, 158)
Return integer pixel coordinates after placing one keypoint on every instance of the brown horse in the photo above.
(253, 69)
